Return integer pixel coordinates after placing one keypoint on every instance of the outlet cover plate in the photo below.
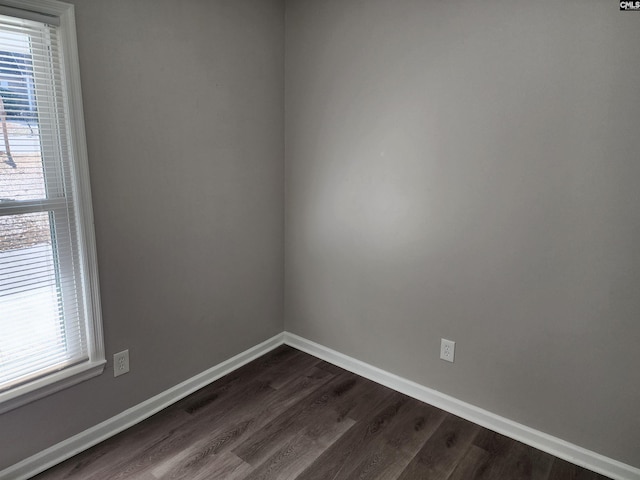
(447, 349)
(120, 363)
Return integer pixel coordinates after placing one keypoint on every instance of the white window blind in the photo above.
(46, 318)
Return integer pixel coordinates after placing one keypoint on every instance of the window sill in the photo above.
(29, 392)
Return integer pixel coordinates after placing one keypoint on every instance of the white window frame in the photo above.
(58, 380)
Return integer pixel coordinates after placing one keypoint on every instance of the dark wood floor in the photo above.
(289, 415)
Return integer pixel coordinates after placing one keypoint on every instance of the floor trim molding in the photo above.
(62, 451)
(542, 441)
(72, 446)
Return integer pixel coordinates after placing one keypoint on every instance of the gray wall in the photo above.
(470, 170)
(183, 108)
(460, 169)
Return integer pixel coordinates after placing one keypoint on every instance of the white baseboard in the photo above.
(66, 449)
(542, 441)
(84, 440)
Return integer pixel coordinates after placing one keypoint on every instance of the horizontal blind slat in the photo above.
(41, 306)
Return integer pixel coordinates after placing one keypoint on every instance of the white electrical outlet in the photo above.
(447, 349)
(120, 363)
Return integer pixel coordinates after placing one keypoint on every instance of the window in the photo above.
(50, 327)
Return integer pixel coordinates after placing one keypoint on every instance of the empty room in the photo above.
(319, 239)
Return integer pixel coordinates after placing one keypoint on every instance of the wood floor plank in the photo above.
(280, 375)
(228, 467)
(330, 367)
(302, 449)
(472, 465)
(238, 378)
(224, 466)
(175, 440)
(339, 397)
(508, 458)
(140, 440)
(288, 415)
(122, 446)
(208, 408)
(388, 454)
(275, 368)
(496, 448)
(244, 424)
(440, 455)
(526, 463)
(519, 462)
(350, 449)
(563, 470)
(492, 442)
